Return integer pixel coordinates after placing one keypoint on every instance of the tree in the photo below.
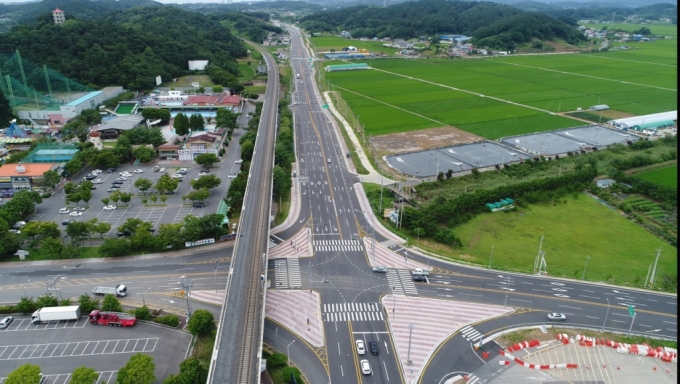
(206, 182)
(46, 300)
(206, 159)
(164, 198)
(73, 166)
(156, 114)
(51, 179)
(201, 323)
(190, 371)
(25, 374)
(6, 114)
(106, 201)
(115, 197)
(440, 176)
(99, 227)
(196, 122)
(111, 304)
(449, 173)
(169, 235)
(225, 118)
(70, 187)
(78, 231)
(114, 247)
(217, 89)
(154, 199)
(143, 184)
(643, 31)
(131, 225)
(144, 154)
(85, 192)
(197, 195)
(43, 229)
(84, 375)
(25, 305)
(125, 198)
(138, 370)
(87, 303)
(52, 246)
(247, 149)
(143, 313)
(165, 184)
(107, 157)
(181, 124)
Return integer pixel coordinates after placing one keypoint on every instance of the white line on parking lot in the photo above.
(69, 349)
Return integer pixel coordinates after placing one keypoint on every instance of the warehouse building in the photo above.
(346, 67)
(646, 122)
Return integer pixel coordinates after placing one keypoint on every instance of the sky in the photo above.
(160, 1)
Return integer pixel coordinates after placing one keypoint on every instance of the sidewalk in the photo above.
(384, 256)
(294, 210)
(370, 216)
(297, 310)
(300, 245)
(373, 176)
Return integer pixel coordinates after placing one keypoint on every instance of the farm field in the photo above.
(325, 43)
(664, 29)
(620, 251)
(499, 97)
(667, 177)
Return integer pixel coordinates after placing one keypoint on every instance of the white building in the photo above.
(58, 16)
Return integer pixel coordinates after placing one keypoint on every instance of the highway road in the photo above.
(342, 275)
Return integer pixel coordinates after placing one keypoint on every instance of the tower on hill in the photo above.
(58, 16)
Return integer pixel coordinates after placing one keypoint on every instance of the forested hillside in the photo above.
(127, 48)
(248, 25)
(653, 12)
(500, 26)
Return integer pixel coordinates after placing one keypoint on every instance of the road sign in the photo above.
(325, 106)
(631, 311)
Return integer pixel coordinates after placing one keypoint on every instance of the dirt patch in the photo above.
(614, 114)
(526, 335)
(422, 140)
(185, 81)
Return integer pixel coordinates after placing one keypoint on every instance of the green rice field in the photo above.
(668, 177)
(499, 97)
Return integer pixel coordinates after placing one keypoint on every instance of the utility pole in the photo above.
(647, 278)
(540, 254)
(584, 268)
(215, 274)
(490, 257)
(186, 286)
(653, 277)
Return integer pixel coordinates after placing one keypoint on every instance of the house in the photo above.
(168, 152)
(113, 128)
(605, 183)
(204, 141)
(17, 177)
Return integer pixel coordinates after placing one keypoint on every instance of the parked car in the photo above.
(64, 210)
(112, 189)
(365, 367)
(79, 209)
(18, 232)
(232, 176)
(90, 177)
(74, 213)
(110, 170)
(373, 346)
(109, 207)
(4, 323)
(198, 204)
(96, 171)
(124, 234)
(121, 179)
(557, 316)
(182, 171)
(67, 222)
(204, 172)
(97, 181)
(239, 161)
(117, 182)
(92, 188)
(380, 269)
(138, 171)
(162, 169)
(361, 349)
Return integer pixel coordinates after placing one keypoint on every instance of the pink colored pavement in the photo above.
(446, 316)
(383, 256)
(208, 296)
(298, 246)
(299, 311)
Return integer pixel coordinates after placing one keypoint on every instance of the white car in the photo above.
(98, 181)
(64, 210)
(125, 174)
(97, 171)
(239, 161)
(232, 176)
(557, 316)
(162, 170)
(74, 213)
(138, 171)
(121, 178)
(361, 348)
(109, 207)
(365, 367)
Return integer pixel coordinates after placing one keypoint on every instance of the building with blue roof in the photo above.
(88, 101)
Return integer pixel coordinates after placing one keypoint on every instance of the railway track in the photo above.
(236, 357)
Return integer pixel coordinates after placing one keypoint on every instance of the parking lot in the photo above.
(60, 347)
(172, 211)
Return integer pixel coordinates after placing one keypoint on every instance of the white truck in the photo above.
(120, 291)
(47, 314)
(420, 271)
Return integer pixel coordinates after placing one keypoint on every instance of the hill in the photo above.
(128, 48)
(492, 22)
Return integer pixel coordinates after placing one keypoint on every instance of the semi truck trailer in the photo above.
(120, 291)
(112, 319)
(47, 314)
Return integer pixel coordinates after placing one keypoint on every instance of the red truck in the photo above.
(112, 319)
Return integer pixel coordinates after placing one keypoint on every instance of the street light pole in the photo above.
(507, 288)
(288, 352)
(215, 274)
(490, 257)
(584, 268)
(605, 316)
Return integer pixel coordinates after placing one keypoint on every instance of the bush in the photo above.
(87, 303)
(114, 247)
(46, 195)
(169, 320)
(46, 300)
(7, 309)
(143, 313)
(112, 304)
(277, 361)
(201, 323)
(287, 373)
(26, 305)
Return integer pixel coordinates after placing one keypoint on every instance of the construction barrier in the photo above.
(504, 362)
(536, 366)
(524, 344)
(668, 355)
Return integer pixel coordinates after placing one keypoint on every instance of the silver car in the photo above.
(380, 269)
(365, 367)
(4, 323)
(557, 316)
